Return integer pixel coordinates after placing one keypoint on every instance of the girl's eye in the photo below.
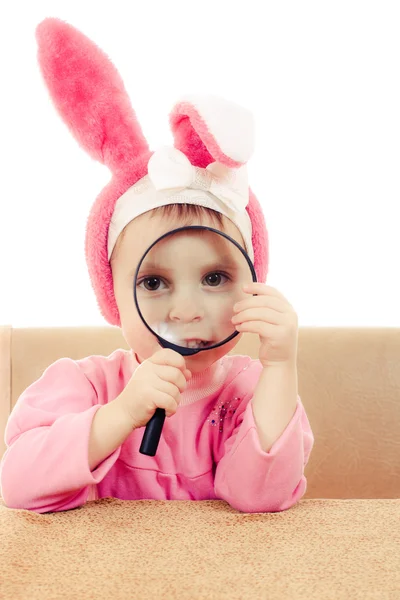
(214, 279)
(151, 284)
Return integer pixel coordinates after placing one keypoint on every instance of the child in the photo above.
(235, 429)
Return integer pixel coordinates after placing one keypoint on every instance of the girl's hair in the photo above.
(187, 211)
(181, 212)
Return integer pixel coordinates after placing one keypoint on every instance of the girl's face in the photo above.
(184, 290)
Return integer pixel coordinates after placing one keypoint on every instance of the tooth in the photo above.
(194, 343)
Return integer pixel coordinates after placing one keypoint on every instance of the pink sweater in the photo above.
(209, 449)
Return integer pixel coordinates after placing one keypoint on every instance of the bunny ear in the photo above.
(89, 95)
(208, 128)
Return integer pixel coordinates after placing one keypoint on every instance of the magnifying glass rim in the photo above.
(181, 349)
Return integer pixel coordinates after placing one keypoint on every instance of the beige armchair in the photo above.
(349, 382)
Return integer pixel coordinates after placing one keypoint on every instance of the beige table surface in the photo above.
(114, 549)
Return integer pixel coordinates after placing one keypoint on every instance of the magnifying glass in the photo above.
(185, 287)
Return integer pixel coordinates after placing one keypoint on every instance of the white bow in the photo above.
(170, 170)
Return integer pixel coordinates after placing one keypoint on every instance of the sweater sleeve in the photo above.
(46, 464)
(252, 480)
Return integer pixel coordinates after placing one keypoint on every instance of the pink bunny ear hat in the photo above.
(213, 140)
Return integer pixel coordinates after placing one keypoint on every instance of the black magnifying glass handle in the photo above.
(152, 434)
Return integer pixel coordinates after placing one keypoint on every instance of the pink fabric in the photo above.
(45, 467)
(211, 150)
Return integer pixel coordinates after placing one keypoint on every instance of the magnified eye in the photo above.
(151, 284)
(214, 279)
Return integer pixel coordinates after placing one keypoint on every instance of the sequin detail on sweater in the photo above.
(222, 411)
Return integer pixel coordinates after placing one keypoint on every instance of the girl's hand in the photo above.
(157, 383)
(271, 316)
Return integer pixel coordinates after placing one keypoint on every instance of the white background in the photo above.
(323, 80)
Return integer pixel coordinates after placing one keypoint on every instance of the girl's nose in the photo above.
(185, 309)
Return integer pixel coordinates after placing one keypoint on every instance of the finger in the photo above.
(168, 357)
(265, 330)
(258, 301)
(173, 375)
(263, 289)
(263, 314)
(165, 401)
(169, 388)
